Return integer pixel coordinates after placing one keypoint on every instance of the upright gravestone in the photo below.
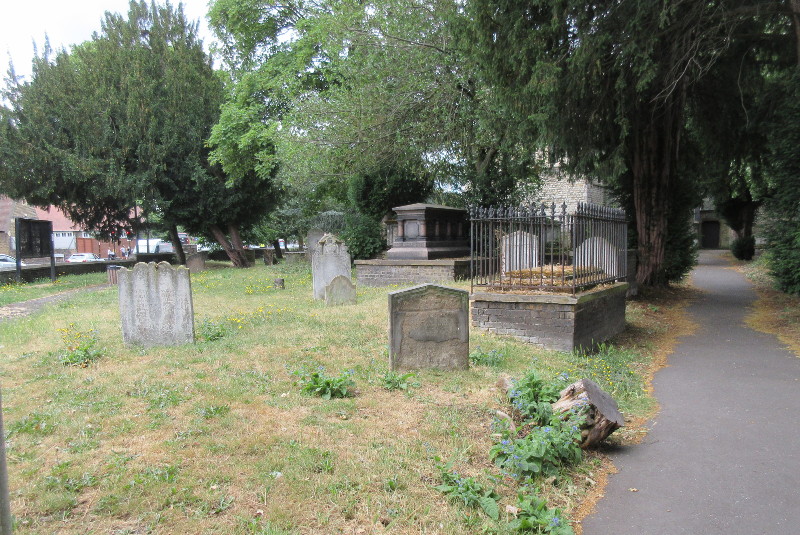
(599, 254)
(330, 260)
(519, 251)
(429, 328)
(340, 291)
(312, 241)
(155, 305)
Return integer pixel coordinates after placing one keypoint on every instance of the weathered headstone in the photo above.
(312, 241)
(429, 328)
(598, 253)
(196, 262)
(519, 251)
(330, 260)
(155, 305)
(340, 291)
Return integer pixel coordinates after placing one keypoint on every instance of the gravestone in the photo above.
(155, 305)
(600, 254)
(340, 291)
(330, 260)
(196, 262)
(312, 241)
(519, 251)
(429, 328)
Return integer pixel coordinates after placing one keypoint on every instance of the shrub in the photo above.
(744, 248)
(362, 235)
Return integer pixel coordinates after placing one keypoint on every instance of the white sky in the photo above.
(66, 22)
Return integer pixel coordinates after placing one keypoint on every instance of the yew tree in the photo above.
(604, 87)
(122, 120)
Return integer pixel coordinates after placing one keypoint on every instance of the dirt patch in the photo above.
(25, 308)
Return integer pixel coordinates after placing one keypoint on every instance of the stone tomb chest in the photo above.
(429, 232)
(429, 328)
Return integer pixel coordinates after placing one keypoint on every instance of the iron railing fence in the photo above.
(543, 248)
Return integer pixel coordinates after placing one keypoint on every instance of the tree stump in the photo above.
(602, 414)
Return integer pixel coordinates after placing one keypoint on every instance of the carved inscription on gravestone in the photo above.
(429, 328)
(330, 259)
(155, 305)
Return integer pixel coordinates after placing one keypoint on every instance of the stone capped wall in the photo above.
(555, 322)
(388, 272)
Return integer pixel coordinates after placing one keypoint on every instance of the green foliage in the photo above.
(211, 330)
(535, 517)
(542, 452)
(394, 381)
(783, 227)
(79, 347)
(362, 235)
(492, 357)
(531, 396)
(375, 194)
(316, 382)
(36, 424)
(744, 248)
(468, 491)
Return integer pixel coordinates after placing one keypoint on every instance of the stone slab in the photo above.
(429, 328)
(155, 305)
(340, 291)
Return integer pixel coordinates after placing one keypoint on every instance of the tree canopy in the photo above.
(122, 121)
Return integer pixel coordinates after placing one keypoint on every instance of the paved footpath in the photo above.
(723, 454)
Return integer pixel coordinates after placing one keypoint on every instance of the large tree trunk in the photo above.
(655, 139)
(236, 255)
(177, 245)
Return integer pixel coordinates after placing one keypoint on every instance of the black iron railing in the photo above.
(546, 249)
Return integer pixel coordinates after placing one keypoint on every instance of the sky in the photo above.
(66, 23)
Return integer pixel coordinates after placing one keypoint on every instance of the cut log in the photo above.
(601, 411)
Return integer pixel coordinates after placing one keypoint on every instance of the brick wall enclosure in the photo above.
(387, 272)
(556, 322)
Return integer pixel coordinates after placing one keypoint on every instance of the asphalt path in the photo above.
(723, 454)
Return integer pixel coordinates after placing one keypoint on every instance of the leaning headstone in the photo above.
(519, 251)
(340, 291)
(155, 305)
(330, 260)
(429, 328)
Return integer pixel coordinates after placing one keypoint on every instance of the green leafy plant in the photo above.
(468, 491)
(79, 347)
(394, 381)
(543, 451)
(531, 396)
(317, 383)
(533, 516)
(744, 248)
(213, 330)
(362, 234)
(492, 358)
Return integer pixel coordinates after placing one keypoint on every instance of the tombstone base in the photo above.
(387, 272)
(553, 321)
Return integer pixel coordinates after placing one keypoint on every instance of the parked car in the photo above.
(84, 257)
(9, 262)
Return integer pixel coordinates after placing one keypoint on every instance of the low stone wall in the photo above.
(387, 272)
(552, 321)
(31, 273)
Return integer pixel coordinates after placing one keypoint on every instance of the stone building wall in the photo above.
(562, 190)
